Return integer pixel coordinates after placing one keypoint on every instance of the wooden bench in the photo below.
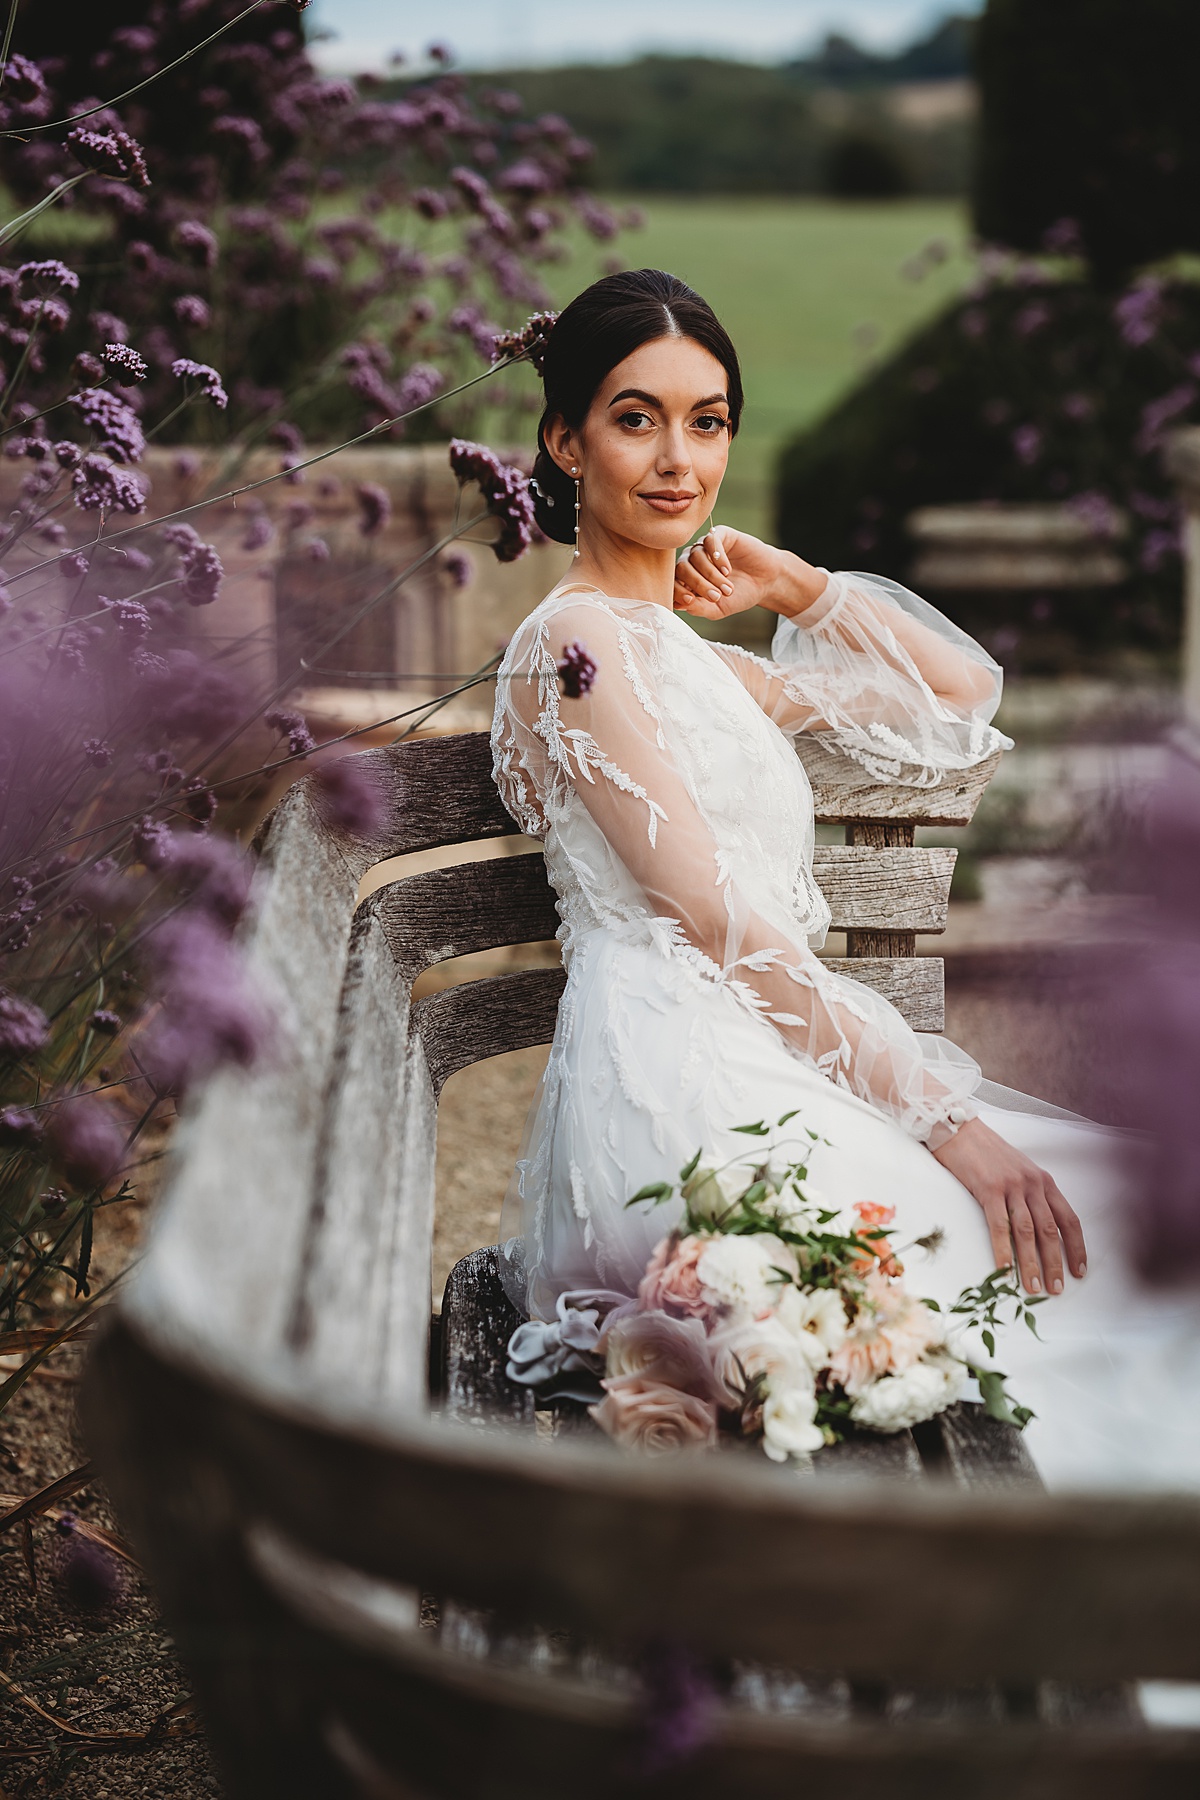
(917, 1614)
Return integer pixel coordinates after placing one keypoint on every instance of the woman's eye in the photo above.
(710, 423)
(635, 420)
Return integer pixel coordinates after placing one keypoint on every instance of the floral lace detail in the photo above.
(677, 823)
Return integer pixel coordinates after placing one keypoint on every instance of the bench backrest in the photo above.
(263, 1410)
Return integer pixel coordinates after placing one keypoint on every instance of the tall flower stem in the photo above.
(103, 106)
(16, 226)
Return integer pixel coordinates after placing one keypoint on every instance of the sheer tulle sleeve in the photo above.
(845, 674)
(609, 786)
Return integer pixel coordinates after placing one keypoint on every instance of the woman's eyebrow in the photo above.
(636, 394)
(653, 400)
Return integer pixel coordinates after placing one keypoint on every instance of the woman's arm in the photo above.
(732, 571)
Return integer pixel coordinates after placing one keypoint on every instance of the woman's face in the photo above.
(653, 448)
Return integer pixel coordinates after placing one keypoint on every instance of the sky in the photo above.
(517, 33)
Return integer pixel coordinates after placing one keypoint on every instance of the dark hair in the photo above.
(598, 330)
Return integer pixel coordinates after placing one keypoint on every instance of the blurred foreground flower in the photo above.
(1153, 994)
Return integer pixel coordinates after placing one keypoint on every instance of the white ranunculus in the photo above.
(741, 1272)
(895, 1402)
(817, 1317)
(789, 1423)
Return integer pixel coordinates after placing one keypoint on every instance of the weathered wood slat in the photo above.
(984, 1454)
(842, 790)
(476, 1019)
(478, 1319)
(915, 985)
(950, 1580)
(892, 1456)
(431, 917)
(462, 1726)
(885, 890)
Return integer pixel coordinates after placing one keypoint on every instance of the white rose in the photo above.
(789, 1427)
(741, 1272)
(895, 1402)
(817, 1317)
(711, 1192)
(750, 1347)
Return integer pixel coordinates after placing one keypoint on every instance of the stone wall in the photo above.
(285, 595)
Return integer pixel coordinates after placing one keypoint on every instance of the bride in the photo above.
(677, 823)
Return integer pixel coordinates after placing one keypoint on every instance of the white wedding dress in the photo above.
(677, 822)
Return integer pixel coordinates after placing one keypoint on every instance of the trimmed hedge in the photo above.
(1090, 114)
(1028, 391)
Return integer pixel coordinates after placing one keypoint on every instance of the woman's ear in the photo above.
(561, 444)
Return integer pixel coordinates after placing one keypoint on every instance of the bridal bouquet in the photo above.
(761, 1316)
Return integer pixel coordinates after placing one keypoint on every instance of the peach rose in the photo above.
(671, 1283)
(660, 1348)
(642, 1414)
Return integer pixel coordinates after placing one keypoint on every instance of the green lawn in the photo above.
(793, 280)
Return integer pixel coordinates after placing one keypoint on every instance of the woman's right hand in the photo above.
(1026, 1215)
(728, 571)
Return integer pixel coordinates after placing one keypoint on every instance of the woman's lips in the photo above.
(669, 503)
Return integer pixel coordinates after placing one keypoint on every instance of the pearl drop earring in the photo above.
(575, 473)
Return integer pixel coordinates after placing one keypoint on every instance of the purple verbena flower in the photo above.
(88, 367)
(291, 725)
(458, 567)
(1027, 444)
(192, 235)
(375, 507)
(85, 1141)
(90, 1575)
(105, 1022)
(576, 671)
(506, 495)
(210, 388)
(101, 487)
(1097, 512)
(211, 1013)
(24, 1027)
(192, 309)
(98, 753)
(1063, 238)
(348, 798)
(153, 843)
(419, 385)
(430, 203)
(202, 575)
(46, 277)
(112, 153)
(1138, 312)
(124, 364)
(19, 1128)
(1159, 414)
(529, 342)
(116, 426)
(23, 79)
(259, 532)
(317, 550)
(132, 619)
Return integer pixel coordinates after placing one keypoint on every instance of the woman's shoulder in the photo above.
(574, 606)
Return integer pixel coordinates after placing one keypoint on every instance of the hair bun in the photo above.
(553, 497)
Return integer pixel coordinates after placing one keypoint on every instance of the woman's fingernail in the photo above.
(726, 588)
(1056, 1286)
(714, 593)
(1035, 1286)
(1082, 1270)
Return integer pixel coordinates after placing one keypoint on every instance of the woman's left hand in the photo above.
(729, 571)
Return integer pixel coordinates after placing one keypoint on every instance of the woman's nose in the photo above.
(673, 457)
